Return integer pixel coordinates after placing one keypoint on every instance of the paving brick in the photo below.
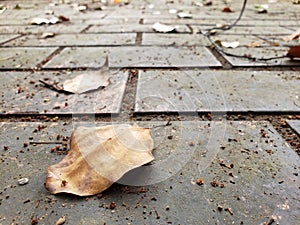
(135, 57)
(254, 30)
(220, 91)
(76, 40)
(262, 182)
(295, 124)
(12, 58)
(79, 57)
(32, 29)
(7, 37)
(264, 52)
(175, 39)
(124, 28)
(22, 93)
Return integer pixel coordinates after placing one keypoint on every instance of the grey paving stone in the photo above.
(262, 183)
(113, 21)
(135, 57)
(175, 39)
(7, 37)
(264, 52)
(126, 28)
(12, 58)
(32, 29)
(254, 30)
(295, 124)
(22, 93)
(119, 28)
(217, 91)
(76, 40)
(79, 57)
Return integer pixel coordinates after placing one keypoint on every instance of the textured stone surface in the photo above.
(12, 58)
(7, 37)
(31, 29)
(22, 93)
(174, 39)
(75, 40)
(205, 91)
(295, 124)
(256, 178)
(265, 53)
(121, 28)
(135, 57)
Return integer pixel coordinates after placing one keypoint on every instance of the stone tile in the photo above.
(262, 183)
(217, 91)
(119, 28)
(162, 57)
(76, 40)
(22, 93)
(175, 39)
(264, 52)
(31, 29)
(135, 57)
(7, 37)
(126, 28)
(12, 58)
(79, 57)
(295, 124)
(254, 30)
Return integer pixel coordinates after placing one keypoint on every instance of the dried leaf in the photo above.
(61, 220)
(263, 8)
(254, 44)
(162, 28)
(39, 21)
(294, 52)
(99, 156)
(88, 82)
(233, 44)
(183, 15)
(47, 35)
(227, 9)
(53, 20)
(293, 36)
(2, 9)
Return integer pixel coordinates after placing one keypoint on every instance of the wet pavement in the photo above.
(216, 160)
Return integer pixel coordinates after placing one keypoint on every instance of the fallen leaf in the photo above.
(293, 36)
(99, 156)
(2, 8)
(233, 44)
(172, 11)
(53, 20)
(294, 52)
(207, 3)
(296, 2)
(47, 35)
(82, 8)
(162, 28)
(88, 82)
(227, 9)
(261, 8)
(61, 220)
(183, 15)
(39, 21)
(254, 44)
(17, 6)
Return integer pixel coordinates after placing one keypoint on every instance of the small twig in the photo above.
(156, 213)
(45, 142)
(207, 34)
(270, 221)
(163, 125)
(54, 87)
